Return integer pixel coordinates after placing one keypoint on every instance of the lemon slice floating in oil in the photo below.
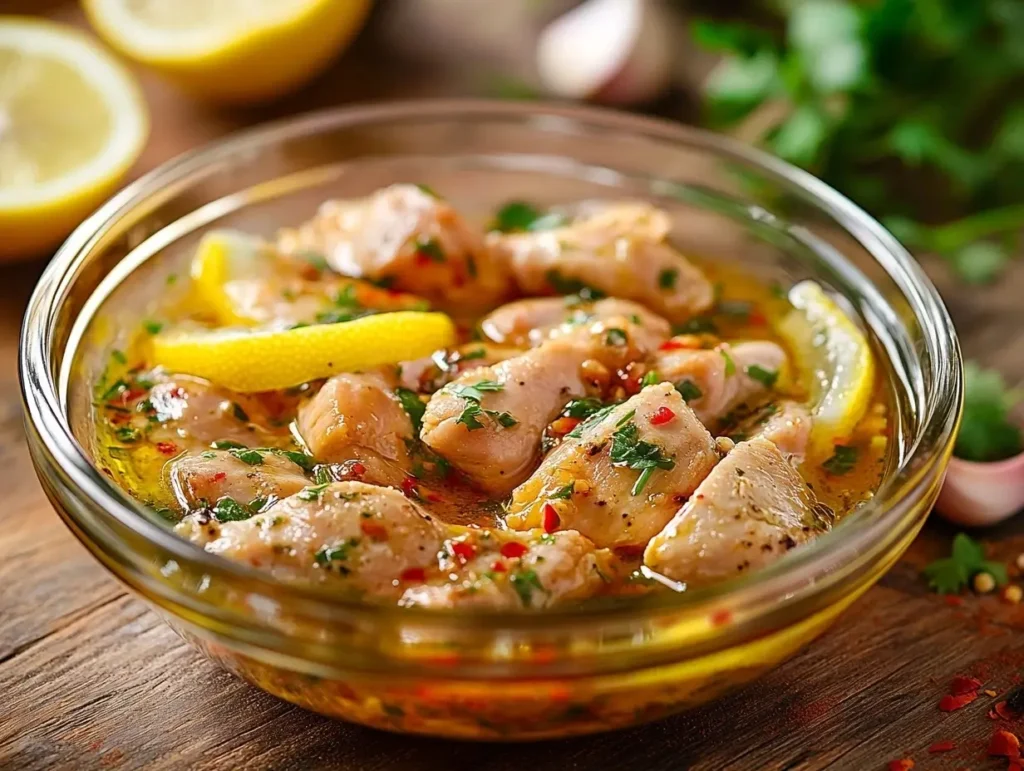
(72, 121)
(248, 360)
(834, 361)
(232, 51)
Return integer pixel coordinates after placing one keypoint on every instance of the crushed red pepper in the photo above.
(951, 703)
(903, 764)
(961, 685)
(943, 746)
(1004, 744)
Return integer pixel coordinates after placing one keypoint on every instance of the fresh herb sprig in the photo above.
(472, 411)
(906, 107)
(629, 450)
(987, 432)
(951, 574)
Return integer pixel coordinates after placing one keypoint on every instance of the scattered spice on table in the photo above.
(1004, 744)
(943, 746)
(904, 764)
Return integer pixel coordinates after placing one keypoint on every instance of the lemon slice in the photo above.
(835, 363)
(72, 121)
(230, 50)
(265, 360)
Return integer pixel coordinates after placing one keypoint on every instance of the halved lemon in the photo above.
(248, 360)
(230, 50)
(834, 362)
(72, 121)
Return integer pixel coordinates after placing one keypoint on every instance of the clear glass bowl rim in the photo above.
(806, 572)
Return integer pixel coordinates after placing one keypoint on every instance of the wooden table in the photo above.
(90, 678)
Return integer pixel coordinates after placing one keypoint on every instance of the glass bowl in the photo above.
(489, 675)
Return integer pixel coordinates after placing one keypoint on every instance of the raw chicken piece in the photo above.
(618, 248)
(492, 432)
(592, 482)
(752, 508)
(532, 321)
(499, 570)
(785, 424)
(202, 480)
(357, 417)
(366, 538)
(722, 375)
(409, 238)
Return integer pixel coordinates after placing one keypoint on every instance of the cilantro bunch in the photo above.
(987, 430)
(912, 108)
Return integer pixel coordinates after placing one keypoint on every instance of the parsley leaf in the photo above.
(987, 432)
(688, 390)
(650, 378)
(631, 451)
(594, 419)
(517, 216)
(525, 582)
(249, 457)
(229, 510)
(430, 248)
(667, 279)
(951, 574)
(765, 377)
(730, 365)
(842, 461)
(572, 286)
(472, 411)
(563, 493)
(413, 406)
(616, 337)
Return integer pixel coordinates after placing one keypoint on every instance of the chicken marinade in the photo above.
(402, 406)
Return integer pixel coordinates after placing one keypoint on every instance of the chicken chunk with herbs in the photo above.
(498, 570)
(408, 238)
(614, 248)
(717, 380)
(532, 321)
(358, 537)
(236, 477)
(750, 510)
(489, 422)
(619, 477)
(358, 420)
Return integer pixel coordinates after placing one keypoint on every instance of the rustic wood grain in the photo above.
(91, 679)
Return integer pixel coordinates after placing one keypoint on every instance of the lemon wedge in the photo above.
(249, 360)
(834, 361)
(233, 51)
(72, 121)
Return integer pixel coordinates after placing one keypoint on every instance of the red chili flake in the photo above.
(413, 574)
(433, 497)
(1003, 710)
(220, 475)
(374, 530)
(953, 703)
(166, 448)
(953, 600)
(357, 468)
(408, 485)
(498, 566)
(672, 345)
(962, 684)
(904, 764)
(662, 416)
(463, 550)
(551, 518)
(721, 617)
(1004, 744)
(943, 746)
(513, 550)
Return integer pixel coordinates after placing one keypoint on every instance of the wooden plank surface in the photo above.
(89, 678)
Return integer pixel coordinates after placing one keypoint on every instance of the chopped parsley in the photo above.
(582, 408)
(428, 190)
(519, 216)
(118, 356)
(631, 451)
(229, 510)
(430, 248)
(325, 555)
(300, 459)
(953, 573)
(476, 353)
(625, 419)
(472, 411)
(116, 388)
(312, 493)
(765, 377)
(572, 286)
(650, 378)
(615, 336)
(667, 278)
(127, 434)
(595, 418)
(843, 460)
(249, 457)
(730, 365)
(413, 406)
(227, 444)
(152, 327)
(525, 582)
(688, 390)
(563, 493)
